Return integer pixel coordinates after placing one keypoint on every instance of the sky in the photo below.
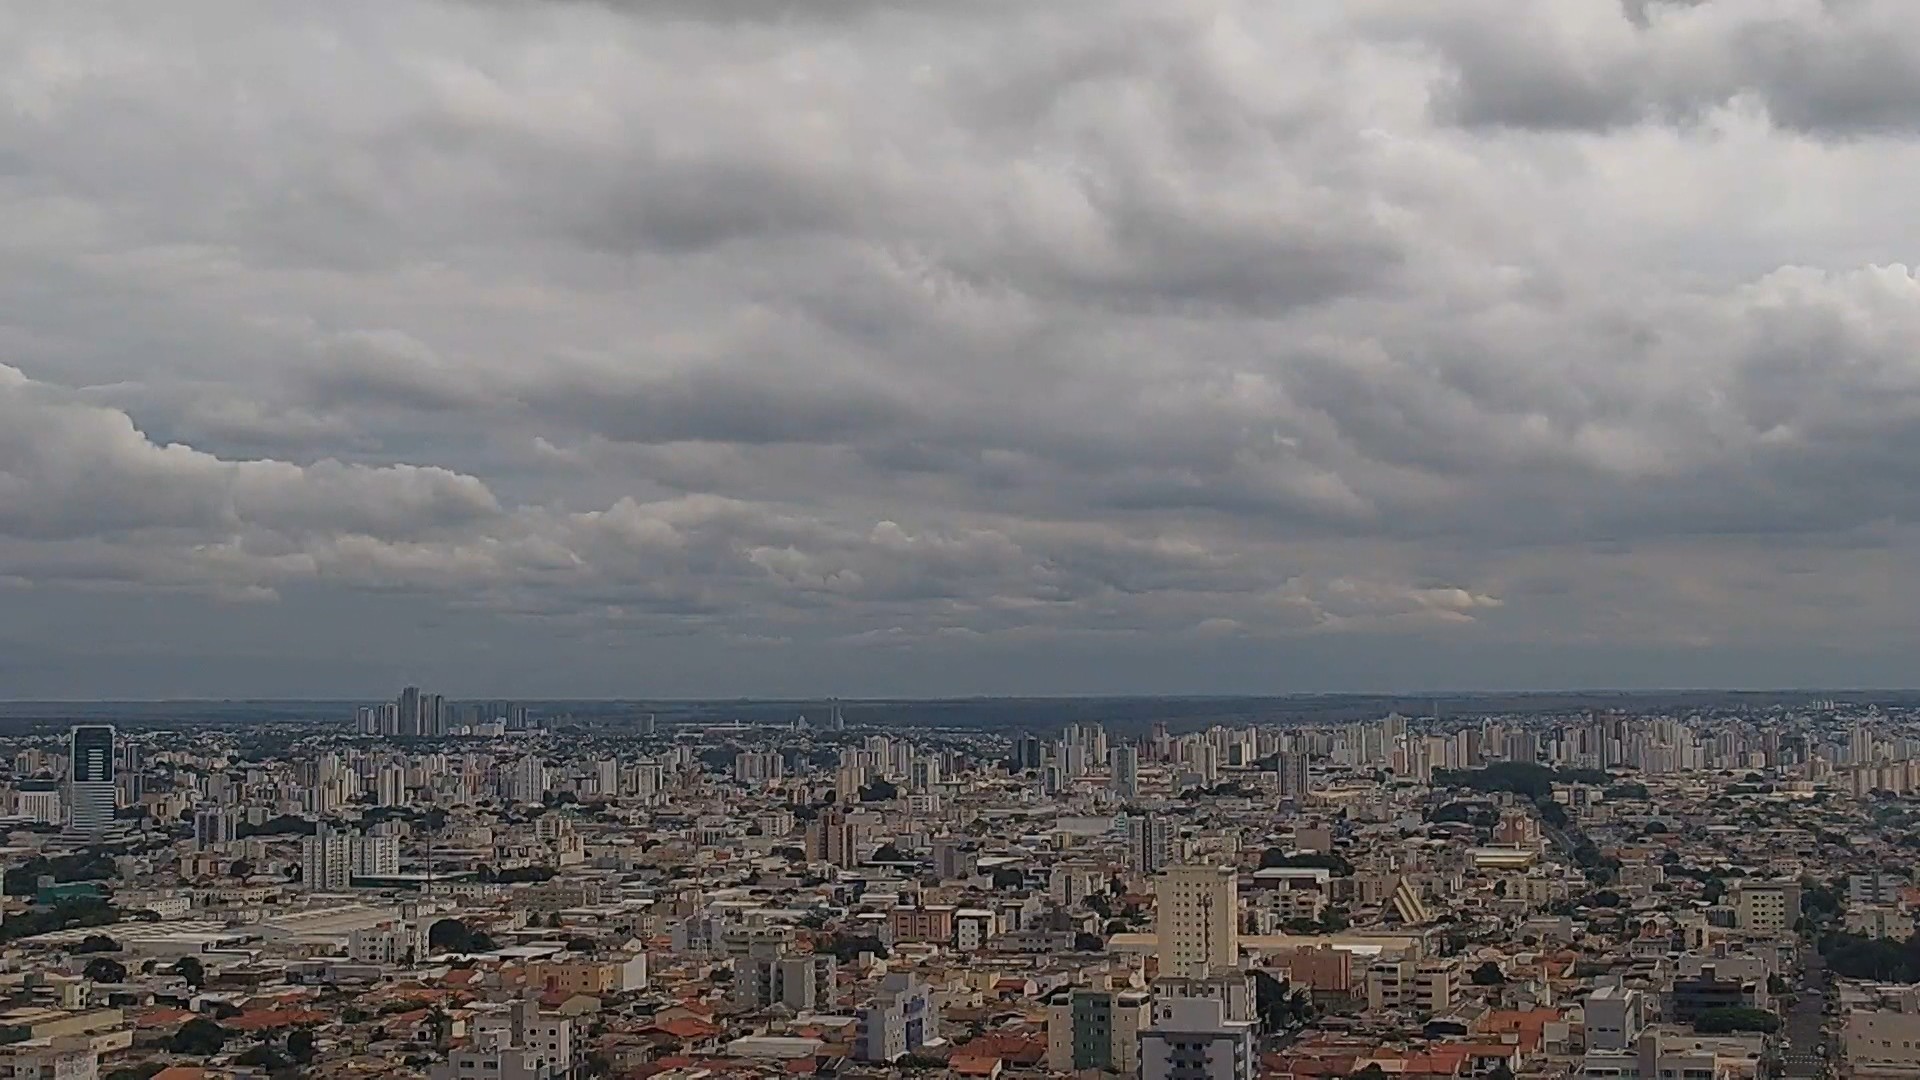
(750, 347)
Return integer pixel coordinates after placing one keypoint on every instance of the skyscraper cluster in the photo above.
(415, 714)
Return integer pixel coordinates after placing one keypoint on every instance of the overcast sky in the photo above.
(713, 347)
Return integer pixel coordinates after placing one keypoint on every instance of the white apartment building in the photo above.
(1192, 1039)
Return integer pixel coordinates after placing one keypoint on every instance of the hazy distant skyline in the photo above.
(1091, 346)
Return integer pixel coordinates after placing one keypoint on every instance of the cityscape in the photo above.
(443, 888)
(959, 540)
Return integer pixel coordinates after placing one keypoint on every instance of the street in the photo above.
(1802, 1057)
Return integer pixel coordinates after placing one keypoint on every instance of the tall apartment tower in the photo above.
(326, 860)
(1123, 762)
(1293, 774)
(1149, 844)
(91, 796)
(1197, 917)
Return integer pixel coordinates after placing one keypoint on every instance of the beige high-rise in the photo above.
(1197, 916)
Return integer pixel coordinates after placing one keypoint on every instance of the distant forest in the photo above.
(1123, 715)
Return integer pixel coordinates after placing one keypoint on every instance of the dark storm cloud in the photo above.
(855, 333)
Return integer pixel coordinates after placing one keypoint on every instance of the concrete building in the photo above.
(1149, 844)
(1722, 985)
(1878, 888)
(1097, 1029)
(972, 928)
(1766, 907)
(92, 796)
(1616, 1017)
(1197, 921)
(1323, 969)
(389, 943)
(768, 976)
(1293, 775)
(1882, 1044)
(215, 826)
(70, 1057)
(522, 1045)
(830, 838)
(901, 1019)
(1421, 985)
(374, 856)
(1123, 763)
(931, 923)
(521, 1036)
(1880, 921)
(326, 860)
(1193, 1039)
(1668, 1054)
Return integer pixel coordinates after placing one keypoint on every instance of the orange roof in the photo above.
(686, 1027)
(1528, 1025)
(268, 1019)
(973, 1065)
(162, 1018)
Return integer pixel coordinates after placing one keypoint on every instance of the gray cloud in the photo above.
(1826, 68)
(798, 347)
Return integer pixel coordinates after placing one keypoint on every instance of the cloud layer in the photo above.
(914, 347)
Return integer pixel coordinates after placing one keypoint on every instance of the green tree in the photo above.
(453, 935)
(261, 1056)
(191, 969)
(105, 969)
(1488, 974)
(300, 1046)
(198, 1037)
(1730, 1020)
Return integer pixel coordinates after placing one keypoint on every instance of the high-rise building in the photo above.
(1292, 765)
(390, 786)
(1149, 844)
(830, 838)
(1197, 918)
(326, 860)
(1123, 762)
(374, 856)
(409, 711)
(214, 826)
(91, 797)
(758, 767)
(923, 774)
(1029, 753)
(769, 975)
